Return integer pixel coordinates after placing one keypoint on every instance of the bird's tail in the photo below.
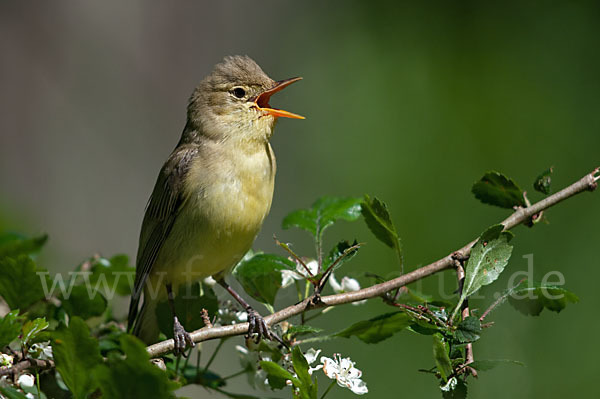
(146, 324)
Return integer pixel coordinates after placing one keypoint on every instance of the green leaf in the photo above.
(469, 329)
(275, 370)
(322, 214)
(343, 251)
(377, 329)
(9, 328)
(543, 182)
(485, 365)
(76, 355)
(84, 303)
(531, 298)
(496, 189)
(488, 258)
(302, 329)
(20, 286)
(133, 376)
(188, 307)
(12, 245)
(32, 328)
(301, 368)
(11, 393)
(379, 221)
(112, 275)
(260, 276)
(440, 355)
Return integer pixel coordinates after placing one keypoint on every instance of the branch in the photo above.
(588, 183)
(25, 365)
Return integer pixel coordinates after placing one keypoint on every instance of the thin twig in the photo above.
(26, 364)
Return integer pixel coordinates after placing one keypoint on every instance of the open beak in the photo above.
(262, 100)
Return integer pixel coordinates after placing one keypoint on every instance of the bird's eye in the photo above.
(238, 92)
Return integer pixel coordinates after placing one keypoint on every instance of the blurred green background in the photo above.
(411, 102)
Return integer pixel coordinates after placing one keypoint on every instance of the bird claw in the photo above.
(181, 338)
(258, 327)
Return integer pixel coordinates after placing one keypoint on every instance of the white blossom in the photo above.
(226, 316)
(343, 370)
(6, 360)
(249, 361)
(210, 281)
(41, 350)
(26, 381)
(311, 355)
(450, 385)
(288, 276)
(347, 284)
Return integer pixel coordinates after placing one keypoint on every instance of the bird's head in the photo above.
(233, 101)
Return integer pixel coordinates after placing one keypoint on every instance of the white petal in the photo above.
(311, 355)
(330, 367)
(450, 385)
(359, 387)
(337, 288)
(350, 284)
(210, 281)
(26, 381)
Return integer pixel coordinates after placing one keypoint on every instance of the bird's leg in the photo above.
(181, 338)
(256, 323)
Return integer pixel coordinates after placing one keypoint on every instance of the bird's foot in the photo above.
(181, 338)
(257, 326)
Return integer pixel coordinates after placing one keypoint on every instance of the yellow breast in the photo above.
(228, 195)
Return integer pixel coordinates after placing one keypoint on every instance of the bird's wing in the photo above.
(163, 207)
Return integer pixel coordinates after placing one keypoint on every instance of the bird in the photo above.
(211, 196)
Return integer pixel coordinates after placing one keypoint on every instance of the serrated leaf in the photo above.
(20, 286)
(9, 328)
(494, 188)
(133, 376)
(188, 307)
(344, 251)
(543, 182)
(32, 328)
(468, 330)
(531, 298)
(12, 245)
(378, 328)
(488, 258)
(379, 221)
(322, 214)
(76, 355)
(274, 369)
(440, 355)
(485, 365)
(84, 303)
(260, 276)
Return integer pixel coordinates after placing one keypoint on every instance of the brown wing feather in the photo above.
(161, 212)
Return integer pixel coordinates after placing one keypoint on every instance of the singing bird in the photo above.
(211, 196)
